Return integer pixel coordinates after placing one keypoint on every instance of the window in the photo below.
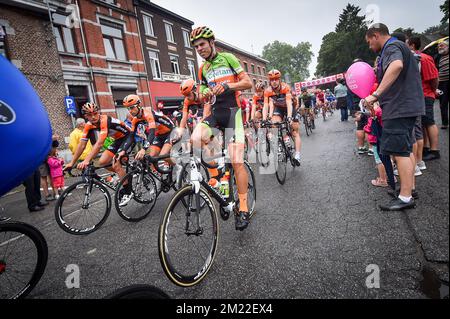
(246, 67)
(148, 26)
(64, 36)
(191, 67)
(175, 65)
(187, 39)
(264, 71)
(253, 69)
(2, 41)
(113, 40)
(259, 70)
(254, 83)
(118, 95)
(155, 65)
(169, 33)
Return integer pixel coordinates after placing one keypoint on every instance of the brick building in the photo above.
(27, 40)
(169, 56)
(100, 52)
(254, 65)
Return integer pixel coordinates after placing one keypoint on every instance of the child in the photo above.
(381, 181)
(56, 172)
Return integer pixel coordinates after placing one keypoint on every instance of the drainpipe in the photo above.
(142, 50)
(91, 73)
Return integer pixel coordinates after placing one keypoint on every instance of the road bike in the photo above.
(189, 228)
(23, 258)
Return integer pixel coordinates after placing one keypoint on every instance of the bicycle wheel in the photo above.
(139, 292)
(186, 256)
(82, 209)
(281, 164)
(264, 148)
(23, 258)
(305, 122)
(251, 197)
(138, 205)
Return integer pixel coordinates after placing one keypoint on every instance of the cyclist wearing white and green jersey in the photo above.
(222, 78)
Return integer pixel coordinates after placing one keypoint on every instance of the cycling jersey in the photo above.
(187, 104)
(279, 97)
(259, 102)
(321, 97)
(224, 68)
(108, 126)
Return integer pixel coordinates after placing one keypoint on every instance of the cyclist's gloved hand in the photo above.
(220, 89)
(140, 155)
(83, 165)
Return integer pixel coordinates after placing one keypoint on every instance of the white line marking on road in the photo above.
(90, 252)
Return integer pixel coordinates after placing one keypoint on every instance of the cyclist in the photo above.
(191, 101)
(278, 103)
(330, 100)
(96, 130)
(156, 125)
(258, 102)
(222, 78)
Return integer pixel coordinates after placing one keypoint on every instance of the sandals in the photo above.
(379, 183)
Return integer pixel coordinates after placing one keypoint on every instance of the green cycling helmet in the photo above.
(202, 33)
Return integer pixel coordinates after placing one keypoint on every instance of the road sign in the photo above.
(69, 102)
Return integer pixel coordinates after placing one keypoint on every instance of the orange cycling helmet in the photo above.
(274, 74)
(131, 100)
(89, 107)
(187, 86)
(260, 86)
(202, 33)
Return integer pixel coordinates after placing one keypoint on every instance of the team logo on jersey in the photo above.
(7, 114)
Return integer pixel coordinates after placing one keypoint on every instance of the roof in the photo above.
(37, 6)
(232, 47)
(149, 4)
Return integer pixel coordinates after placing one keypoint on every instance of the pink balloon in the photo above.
(360, 79)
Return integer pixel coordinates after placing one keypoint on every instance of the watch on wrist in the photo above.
(376, 95)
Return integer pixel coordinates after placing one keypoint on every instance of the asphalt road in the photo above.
(314, 237)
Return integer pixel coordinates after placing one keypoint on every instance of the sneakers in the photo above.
(362, 150)
(126, 199)
(422, 166)
(396, 193)
(370, 153)
(432, 155)
(397, 205)
(242, 221)
(418, 172)
(50, 198)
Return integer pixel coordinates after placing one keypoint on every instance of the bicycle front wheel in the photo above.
(187, 240)
(136, 204)
(83, 207)
(23, 258)
(281, 164)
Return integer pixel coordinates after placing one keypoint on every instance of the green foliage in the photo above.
(348, 43)
(444, 9)
(289, 59)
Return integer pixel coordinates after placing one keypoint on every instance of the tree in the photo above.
(346, 44)
(408, 32)
(444, 9)
(350, 20)
(289, 59)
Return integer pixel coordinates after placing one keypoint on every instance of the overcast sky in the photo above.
(251, 24)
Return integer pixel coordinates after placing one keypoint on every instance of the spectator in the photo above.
(33, 193)
(442, 63)
(56, 172)
(74, 139)
(430, 81)
(340, 91)
(402, 101)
